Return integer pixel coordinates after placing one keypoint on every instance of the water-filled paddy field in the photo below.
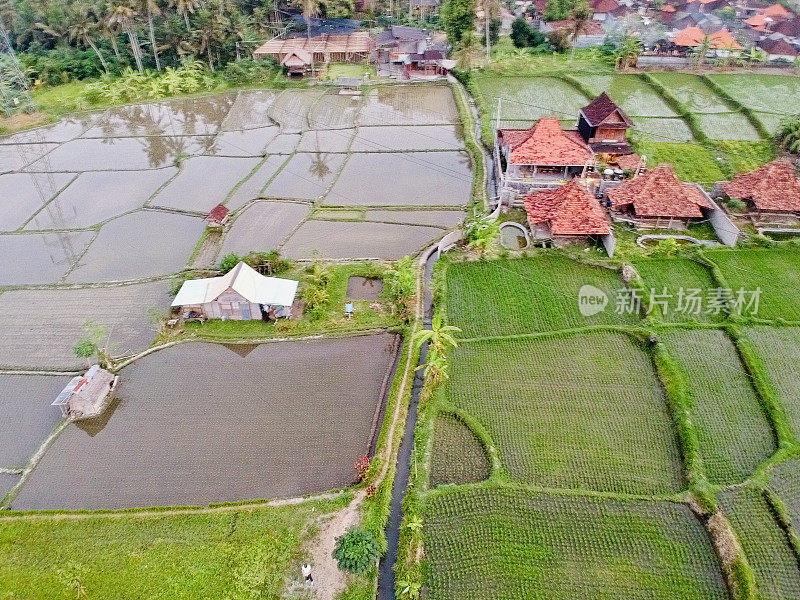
(199, 423)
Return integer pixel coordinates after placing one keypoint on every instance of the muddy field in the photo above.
(40, 327)
(28, 417)
(199, 423)
(98, 169)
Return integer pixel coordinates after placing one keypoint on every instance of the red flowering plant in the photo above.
(362, 468)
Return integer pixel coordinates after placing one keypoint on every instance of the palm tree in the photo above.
(579, 17)
(788, 135)
(122, 15)
(628, 50)
(184, 7)
(701, 50)
(152, 9)
(82, 26)
(436, 367)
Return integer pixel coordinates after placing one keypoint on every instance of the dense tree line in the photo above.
(59, 40)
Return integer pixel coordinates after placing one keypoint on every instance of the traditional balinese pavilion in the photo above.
(770, 191)
(659, 199)
(603, 126)
(544, 156)
(242, 294)
(568, 214)
(303, 54)
(86, 396)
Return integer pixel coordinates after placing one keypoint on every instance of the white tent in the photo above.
(245, 281)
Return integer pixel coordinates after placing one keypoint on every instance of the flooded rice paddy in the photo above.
(199, 423)
(28, 417)
(40, 326)
(119, 196)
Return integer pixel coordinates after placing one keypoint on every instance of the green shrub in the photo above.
(356, 551)
(315, 296)
(248, 71)
(229, 261)
(736, 205)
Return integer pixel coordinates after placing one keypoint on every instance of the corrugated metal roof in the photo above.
(245, 281)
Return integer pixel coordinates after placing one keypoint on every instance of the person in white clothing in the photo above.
(307, 573)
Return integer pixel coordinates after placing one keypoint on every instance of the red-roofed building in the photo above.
(658, 198)
(776, 11)
(218, 216)
(771, 189)
(542, 156)
(778, 49)
(566, 214)
(720, 43)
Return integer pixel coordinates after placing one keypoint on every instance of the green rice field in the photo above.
(765, 544)
(457, 455)
(773, 271)
(784, 481)
(580, 411)
(734, 434)
(496, 543)
(779, 349)
(507, 297)
(671, 275)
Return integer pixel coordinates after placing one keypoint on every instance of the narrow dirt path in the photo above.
(328, 579)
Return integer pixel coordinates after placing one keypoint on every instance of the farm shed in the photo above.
(218, 216)
(86, 397)
(773, 189)
(659, 199)
(355, 47)
(242, 294)
(566, 215)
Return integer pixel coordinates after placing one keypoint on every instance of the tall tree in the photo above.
(310, 10)
(152, 9)
(124, 15)
(580, 17)
(184, 8)
(458, 18)
(83, 24)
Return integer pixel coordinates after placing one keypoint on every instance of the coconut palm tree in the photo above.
(579, 17)
(628, 51)
(184, 7)
(123, 16)
(83, 24)
(152, 9)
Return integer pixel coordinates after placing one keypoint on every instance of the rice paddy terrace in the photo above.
(616, 454)
(103, 209)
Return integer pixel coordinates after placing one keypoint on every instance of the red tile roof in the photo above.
(546, 144)
(773, 187)
(569, 210)
(659, 193)
(693, 37)
(604, 6)
(668, 8)
(778, 47)
(591, 28)
(629, 162)
(776, 10)
(218, 213)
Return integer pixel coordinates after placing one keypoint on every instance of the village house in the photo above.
(304, 55)
(242, 294)
(720, 43)
(568, 214)
(603, 126)
(593, 33)
(771, 192)
(407, 50)
(86, 396)
(778, 49)
(543, 156)
(659, 199)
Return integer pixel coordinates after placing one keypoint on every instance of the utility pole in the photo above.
(486, 6)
